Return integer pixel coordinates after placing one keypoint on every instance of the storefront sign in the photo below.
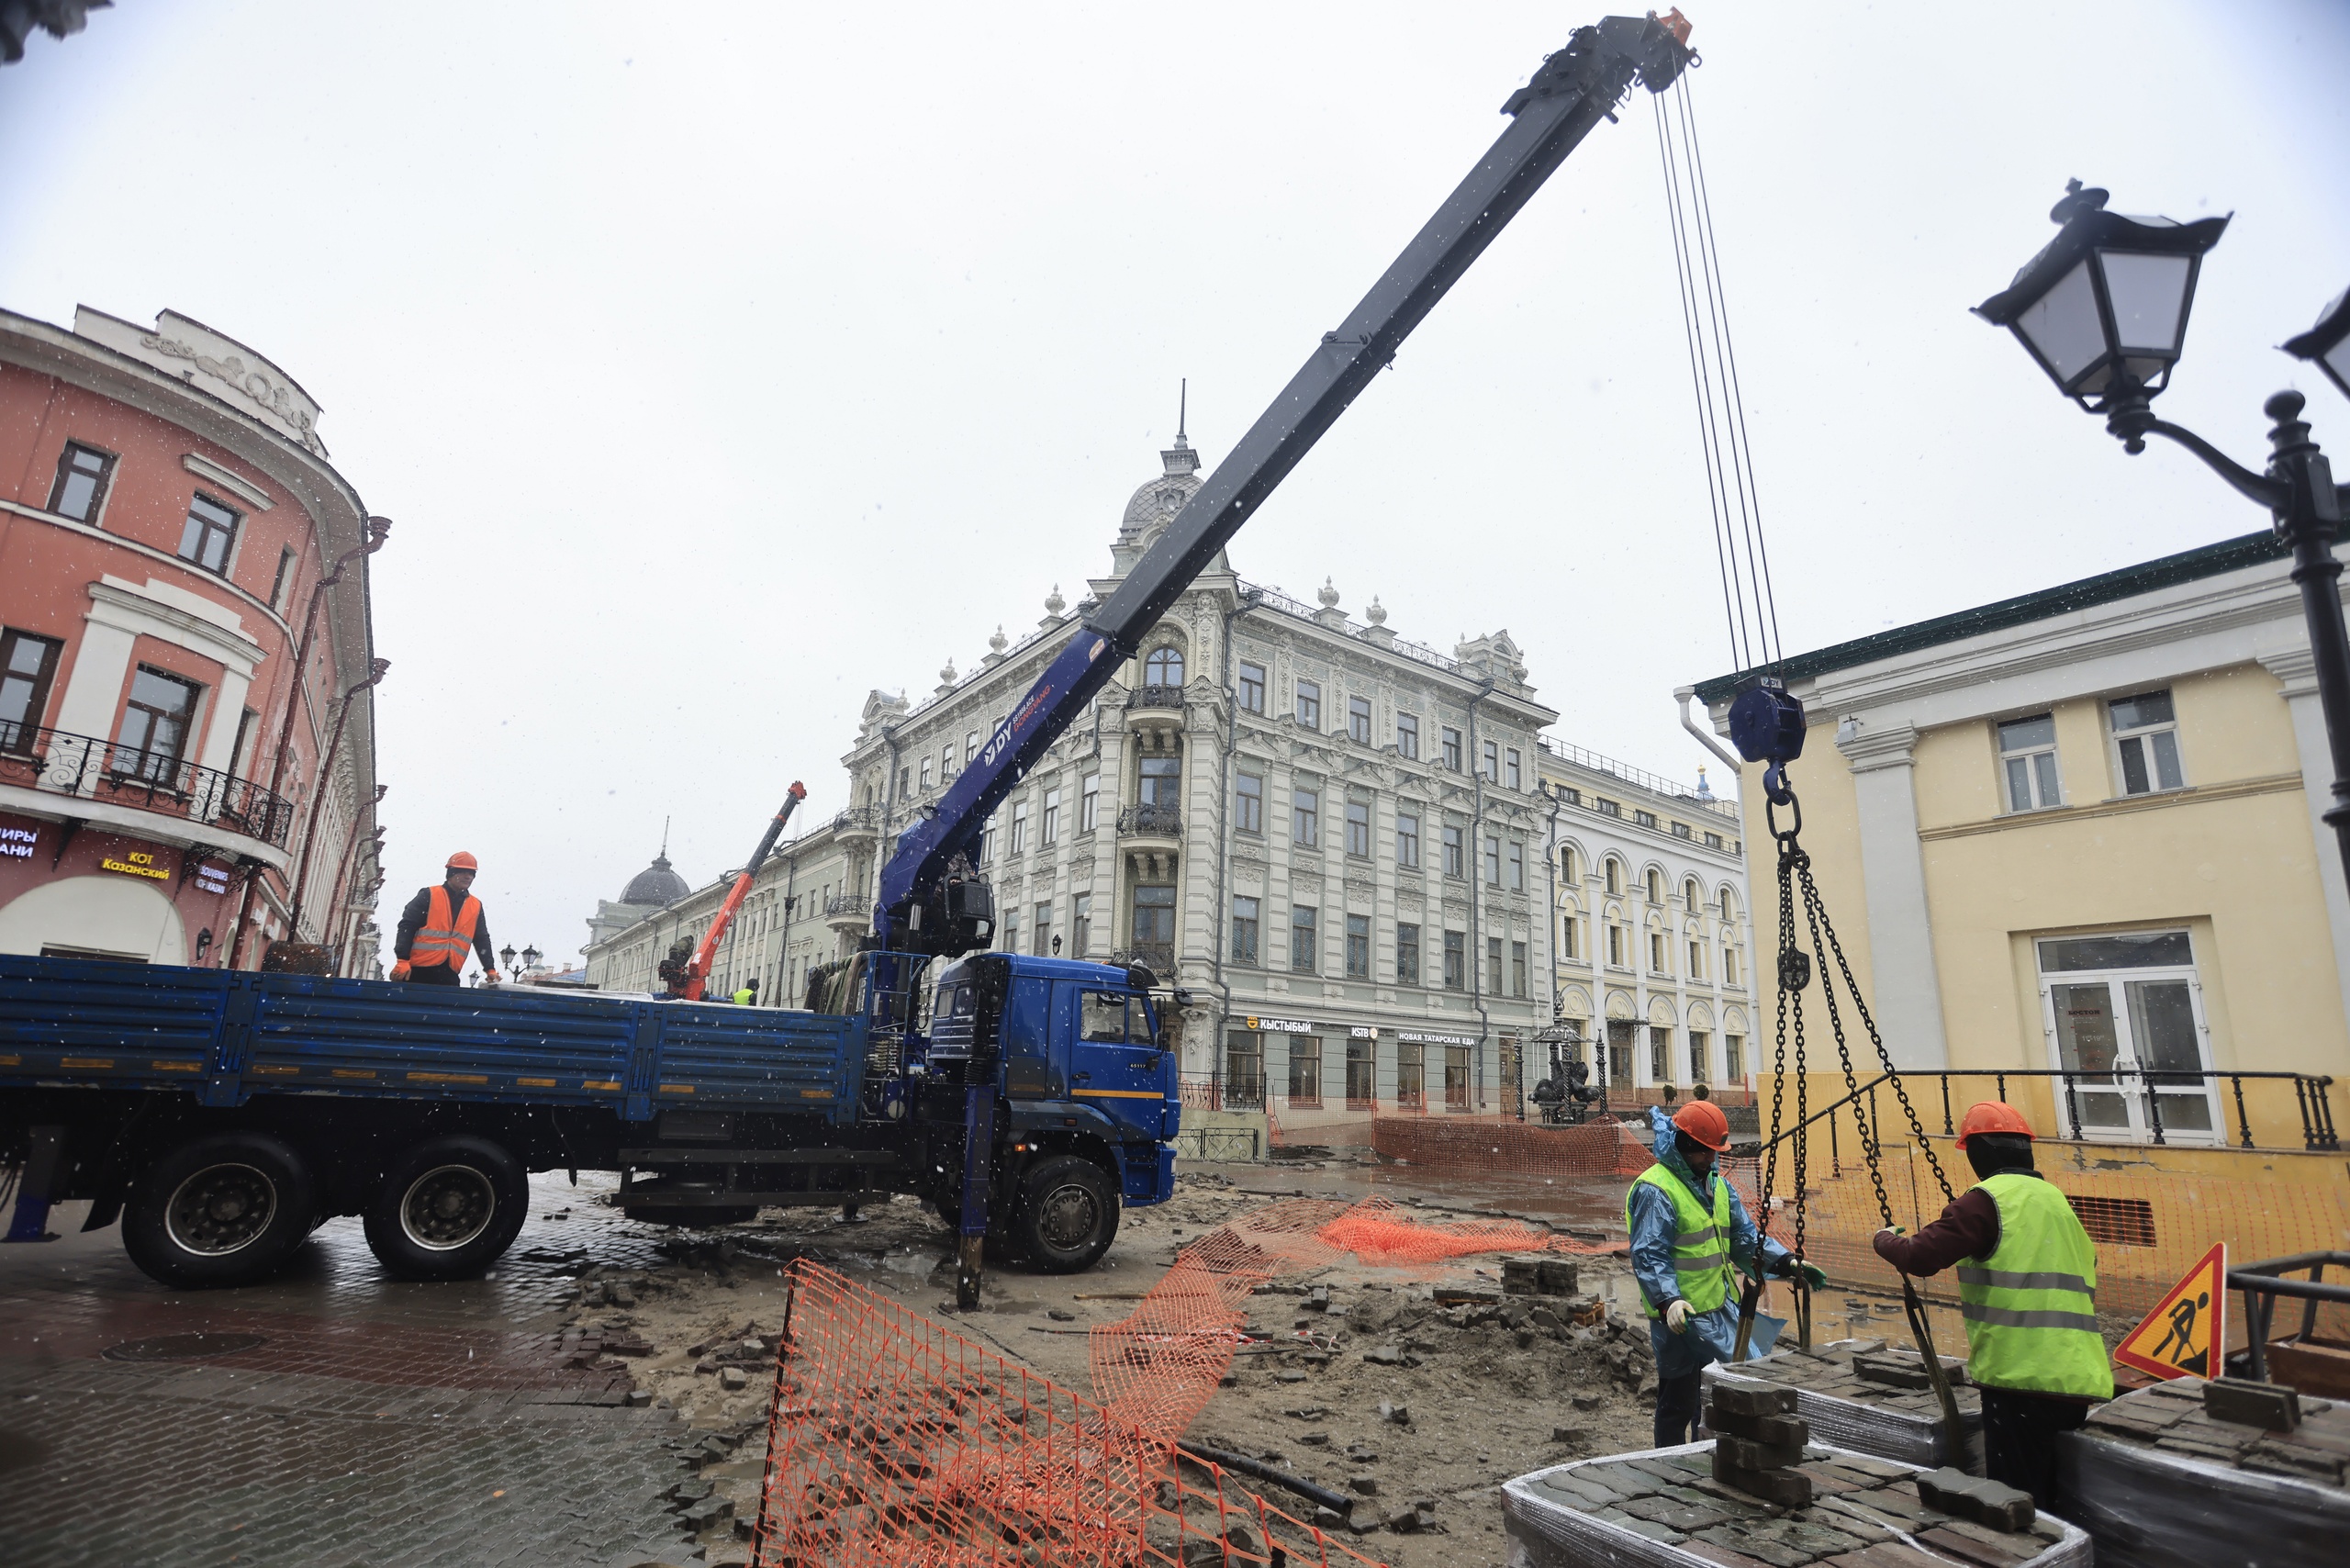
(137, 864)
(16, 843)
(211, 878)
(1281, 1025)
(1363, 1032)
(1415, 1036)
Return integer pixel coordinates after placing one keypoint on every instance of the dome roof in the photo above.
(657, 884)
(1157, 501)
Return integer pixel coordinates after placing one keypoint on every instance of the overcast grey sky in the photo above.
(720, 363)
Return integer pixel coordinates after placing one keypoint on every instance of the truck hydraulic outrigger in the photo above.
(930, 901)
(686, 976)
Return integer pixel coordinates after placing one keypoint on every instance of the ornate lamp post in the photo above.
(2103, 310)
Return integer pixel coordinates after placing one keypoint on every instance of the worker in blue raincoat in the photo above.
(1688, 1226)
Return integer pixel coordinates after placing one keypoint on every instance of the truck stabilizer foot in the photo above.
(967, 1273)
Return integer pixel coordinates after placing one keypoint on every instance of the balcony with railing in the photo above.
(858, 820)
(847, 912)
(1164, 697)
(84, 767)
(1151, 822)
(1158, 957)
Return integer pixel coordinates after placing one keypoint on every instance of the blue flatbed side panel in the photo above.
(758, 1057)
(88, 1023)
(351, 1036)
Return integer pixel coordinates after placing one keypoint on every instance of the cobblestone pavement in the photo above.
(374, 1422)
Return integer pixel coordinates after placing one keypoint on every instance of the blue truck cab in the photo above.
(220, 1115)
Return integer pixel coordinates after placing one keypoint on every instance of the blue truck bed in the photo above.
(225, 1037)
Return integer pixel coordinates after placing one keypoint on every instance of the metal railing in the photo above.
(1155, 697)
(1637, 777)
(1158, 957)
(1151, 821)
(1419, 653)
(60, 762)
(1222, 1090)
(2264, 1283)
(858, 817)
(846, 903)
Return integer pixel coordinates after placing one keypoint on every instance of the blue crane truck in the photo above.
(220, 1114)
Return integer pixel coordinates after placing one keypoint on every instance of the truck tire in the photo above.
(225, 1209)
(447, 1208)
(1068, 1214)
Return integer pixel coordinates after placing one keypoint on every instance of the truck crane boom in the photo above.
(925, 902)
(687, 986)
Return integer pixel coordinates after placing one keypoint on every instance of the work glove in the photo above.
(1676, 1315)
(400, 970)
(1788, 1268)
(489, 976)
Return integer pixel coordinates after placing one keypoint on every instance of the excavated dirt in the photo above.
(1418, 1410)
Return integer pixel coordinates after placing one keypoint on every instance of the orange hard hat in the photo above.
(1992, 1116)
(1704, 1122)
(460, 861)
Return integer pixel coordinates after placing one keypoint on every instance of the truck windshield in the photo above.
(952, 1001)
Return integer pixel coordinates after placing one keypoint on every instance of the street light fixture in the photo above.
(2103, 310)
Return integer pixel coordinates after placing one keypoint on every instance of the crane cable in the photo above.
(1751, 609)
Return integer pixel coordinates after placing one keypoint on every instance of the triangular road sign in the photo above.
(2187, 1334)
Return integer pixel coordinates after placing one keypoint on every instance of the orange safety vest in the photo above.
(443, 940)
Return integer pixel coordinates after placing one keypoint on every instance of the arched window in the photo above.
(1164, 668)
(1656, 886)
(1567, 863)
(1690, 895)
(1729, 907)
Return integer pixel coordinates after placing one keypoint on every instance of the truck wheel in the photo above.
(221, 1210)
(1069, 1214)
(447, 1208)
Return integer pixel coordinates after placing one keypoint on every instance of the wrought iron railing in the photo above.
(1639, 778)
(1158, 957)
(859, 817)
(1154, 820)
(846, 903)
(1155, 697)
(59, 763)
(1222, 1091)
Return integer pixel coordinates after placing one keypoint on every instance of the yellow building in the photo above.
(2071, 842)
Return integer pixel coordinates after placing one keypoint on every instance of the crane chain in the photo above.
(1794, 975)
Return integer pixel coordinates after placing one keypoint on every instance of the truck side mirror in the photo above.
(1182, 997)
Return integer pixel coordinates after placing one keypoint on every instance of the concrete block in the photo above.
(1363, 1485)
(1788, 1429)
(1752, 1399)
(1789, 1488)
(1745, 1453)
(2269, 1406)
(1523, 1275)
(1555, 1276)
(1972, 1497)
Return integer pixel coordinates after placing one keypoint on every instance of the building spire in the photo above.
(665, 838)
(1182, 410)
(1180, 460)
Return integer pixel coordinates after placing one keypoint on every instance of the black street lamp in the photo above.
(2103, 310)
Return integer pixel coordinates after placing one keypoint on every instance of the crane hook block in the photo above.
(1766, 724)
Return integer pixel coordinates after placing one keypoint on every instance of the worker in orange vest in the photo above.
(437, 927)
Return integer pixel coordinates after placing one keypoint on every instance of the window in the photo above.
(1019, 827)
(1514, 866)
(1682, 830)
(925, 774)
(1452, 748)
(1729, 905)
(1456, 961)
(1010, 934)
(1154, 911)
(28, 664)
(1511, 770)
(1411, 1092)
(1252, 687)
(2124, 1013)
(1690, 895)
(238, 759)
(1164, 668)
(1101, 1017)
(1248, 803)
(1491, 767)
(1245, 924)
(1697, 959)
(905, 780)
(1089, 802)
(970, 747)
(2027, 755)
(1493, 966)
(1567, 864)
(1570, 938)
(1044, 947)
(1456, 1078)
(1660, 1055)
(1655, 883)
(1305, 817)
(1492, 856)
(1570, 796)
(1699, 1070)
(1730, 966)
(1358, 947)
(81, 488)
(210, 533)
(1304, 1069)
(1408, 955)
(279, 584)
(1359, 720)
(1656, 953)
(2146, 734)
(1607, 808)
(1081, 925)
(1408, 737)
(1362, 1069)
(1733, 1058)
(947, 762)
(1160, 778)
(1309, 704)
(1302, 928)
(1712, 841)
(155, 723)
(1615, 947)
(1359, 829)
(1643, 819)
(1517, 968)
(1407, 841)
(1052, 822)
(1455, 850)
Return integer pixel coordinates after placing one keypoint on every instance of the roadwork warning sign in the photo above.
(2187, 1334)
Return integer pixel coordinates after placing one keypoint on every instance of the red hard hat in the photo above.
(460, 861)
(1703, 1121)
(1992, 1116)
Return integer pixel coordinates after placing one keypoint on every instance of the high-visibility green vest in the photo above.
(742, 997)
(1700, 1241)
(2031, 1307)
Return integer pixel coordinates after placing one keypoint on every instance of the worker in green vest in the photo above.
(2027, 1288)
(748, 994)
(1688, 1226)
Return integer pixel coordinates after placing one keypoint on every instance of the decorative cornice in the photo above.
(2235, 789)
(212, 473)
(1869, 748)
(2297, 667)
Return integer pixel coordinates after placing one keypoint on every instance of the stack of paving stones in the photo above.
(1665, 1508)
(1863, 1394)
(2179, 1471)
(1758, 1442)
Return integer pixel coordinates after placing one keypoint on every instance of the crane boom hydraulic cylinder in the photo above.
(696, 975)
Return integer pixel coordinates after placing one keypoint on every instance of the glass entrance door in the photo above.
(2125, 1013)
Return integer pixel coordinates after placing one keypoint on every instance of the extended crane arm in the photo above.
(697, 971)
(1550, 116)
